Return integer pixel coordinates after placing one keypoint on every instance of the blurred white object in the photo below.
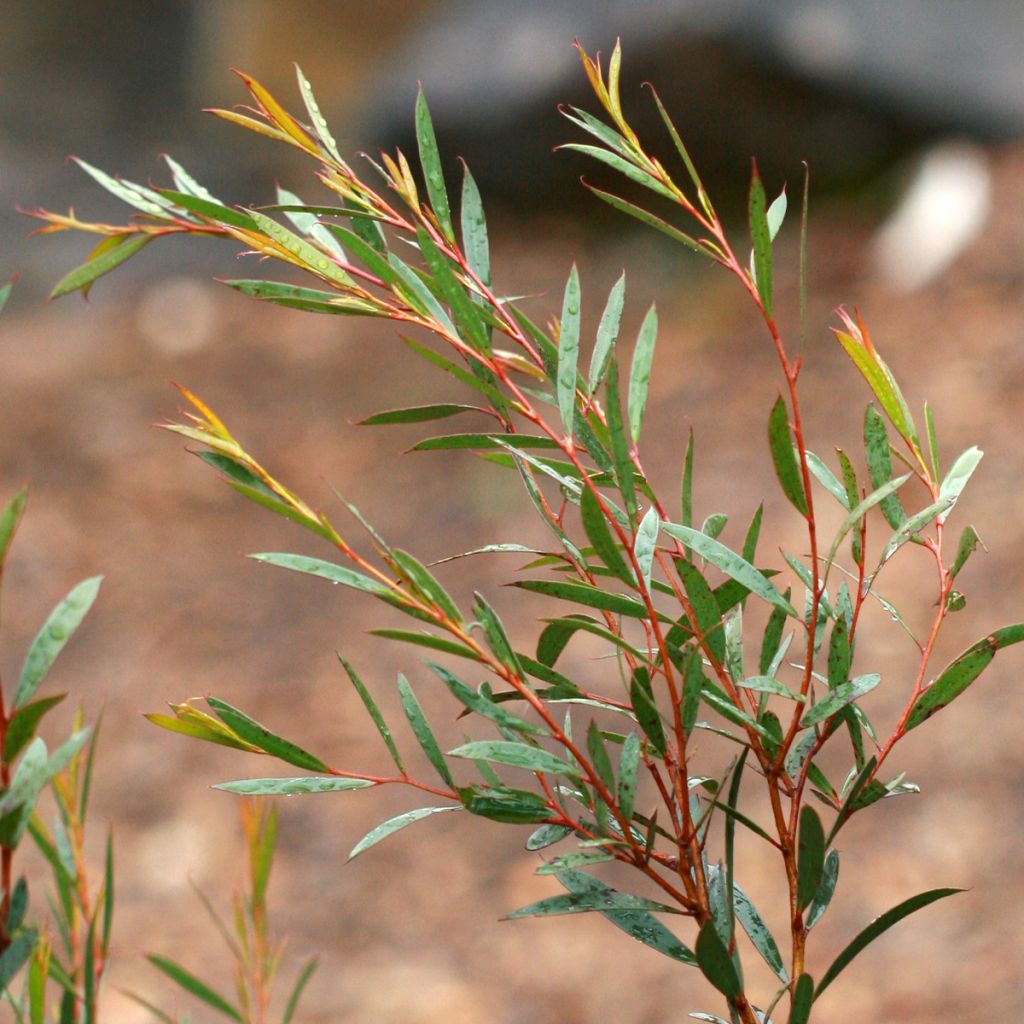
(944, 209)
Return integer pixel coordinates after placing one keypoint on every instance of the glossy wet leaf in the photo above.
(23, 724)
(599, 533)
(603, 900)
(479, 703)
(959, 473)
(299, 784)
(839, 697)
(731, 564)
(396, 824)
(822, 898)
(810, 856)
(640, 372)
(547, 835)
(877, 927)
(607, 334)
(504, 804)
(761, 237)
(53, 635)
(645, 707)
(758, 932)
(787, 469)
(715, 962)
(422, 731)
(583, 593)
(913, 525)
(629, 761)
(456, 441)
(881, 381)
(325, 570)
(621, 457)
(568, 351)
(474, 230)
(959, 674)
(417, 414)
(516, 755)
(431, 162)
(969, 541)
(645, 544)
(260, 736)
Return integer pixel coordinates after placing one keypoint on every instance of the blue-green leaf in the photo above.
(516, 755)
(731, 564)
(607, 334)
(291, 786)
(395, 824)
(431, 160)
(52, 637)
(569, 350)
(640, 372)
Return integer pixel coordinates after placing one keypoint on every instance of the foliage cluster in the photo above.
(701, 637)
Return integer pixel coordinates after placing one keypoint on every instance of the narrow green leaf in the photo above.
(877, 927)
(482, 441)
(52, 637)
(758, 933)
(876, 497)
(645, 707)
(933, 445)
(749, 552)
(629, 761)
(309, 223)
(768, 684)
(607, 334)
(686, 503)
(516, 755)
(575, 860)
(959, 674)
(325, 570)
(23, 723)
(467, 314)
(851, 798)
(645, 544)
(839, 655)
(197, 988)
(822, 898)
(569, 350)
(957, 477)
(761, 237)
(291, 786)
(876, 446)
(434, 643)
(319, 124)
(474, 230)
(640, 372)
(705, 606)
(810, 863)
(395, 824)
(297, 990)
(616, 162)
(917, 522)
(839, 697)
(620, 446)
(9, 519)
(16, 955)
(210, 209)
(417, 720)
(425, 585)
(604, 900)
(252, 732)
(417, 414)
(431, 162)
(648, 218)
(378, 719)
(715, 962)
(480, 704)
(309, 255)
(583, 593)
(969, 541)
(787, 469)
(731, 564)
(803, 998)
(599, 533)
(772, 638)
(509, 806)
(547, 835)
(828, 479)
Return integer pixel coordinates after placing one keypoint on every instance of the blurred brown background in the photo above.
(908, 113)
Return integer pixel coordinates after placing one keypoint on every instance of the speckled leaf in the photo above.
(959, 675)
(396, 824)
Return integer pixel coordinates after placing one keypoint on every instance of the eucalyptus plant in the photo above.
(701, 637)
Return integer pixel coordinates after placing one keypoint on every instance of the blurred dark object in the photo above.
(846, 86)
